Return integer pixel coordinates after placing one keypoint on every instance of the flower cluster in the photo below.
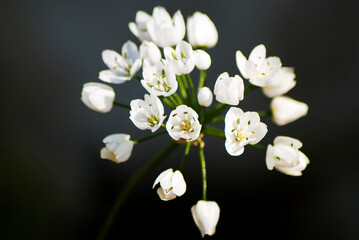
(167, 61)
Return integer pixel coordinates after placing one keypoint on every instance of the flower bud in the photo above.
(201, 31)
(205, 97)
(118, 147)
(206, 216)
(150, 52)
(229, 90)
(203, 60)
(286, 110)
(280, 83)
(98, 97)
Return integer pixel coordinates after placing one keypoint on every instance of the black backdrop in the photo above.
(55, 186)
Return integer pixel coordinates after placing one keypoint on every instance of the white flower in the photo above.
(164, 30)
(150, 52)
(281, 82)
(242, 128)
(205, 97)
(182, 59)
(285, 156)
(159, 79)
(118, 147)
(206, 216)
(98, 96)
(121, 68)
(229, 90)
(183, 123)
(258, 69)
(147, 114)
(139, 29)
(172, 184)
(201, 31)
(286, 110)
(203, 60)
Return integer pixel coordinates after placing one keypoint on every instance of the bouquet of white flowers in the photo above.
(167, 80)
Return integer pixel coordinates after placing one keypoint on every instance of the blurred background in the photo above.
(54, 184)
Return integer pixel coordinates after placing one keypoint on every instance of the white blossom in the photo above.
(98, 96)
(118, 147)
(181, 59)
(280, 83)
(229, 90)
(121, 67)
(183, 124)
(286, 110)
(201, 31)
(159, 79)
(203, 59)
(148, 113)
(205, 97)
(150, 52)
(139, 29)
(242, 128)
(206, 216)
(172, 184)
(286, 157)
(164, 30)
(258, 69)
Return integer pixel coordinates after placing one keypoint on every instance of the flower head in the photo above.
(118, 147)
(164, 30)
(229, 90)
(286, 110)
(159, 79)
(201, 31)
(172, 184)
(258, 69)
(242, 128)
(147, 114)
(98, 96)
(206, 216)
(286, 157)
(121, 67)
(281, 82)
(183, 123)
(181, 59)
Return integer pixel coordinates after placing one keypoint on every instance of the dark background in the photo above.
(55, 186)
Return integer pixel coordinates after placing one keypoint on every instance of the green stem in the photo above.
(173, 100)
(213, 132)
(184, 159)
(178, 98)
(137, 77)
(218, 119)
(191, 89)
(121, 105)
(259, 147)
(250, 87)
(167, 102)
(264, 113)
(131, 184)
(215, 112)
(182, 88)
(204, 171)
(149, 137)
(202, 79)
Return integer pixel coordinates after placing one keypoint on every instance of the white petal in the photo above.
(178, 183)
(270, 158)
(288, 141)
(164, 179)
(260, 131)
(258, 54)
(206, 216)
(113, 77)
(234, 148)
(241, 63)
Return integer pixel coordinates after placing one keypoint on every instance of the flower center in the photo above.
(240, 134)
(152, 120)
(185, 125)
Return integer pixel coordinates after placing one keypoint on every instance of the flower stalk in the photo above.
(204, 171)
(132, 184)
